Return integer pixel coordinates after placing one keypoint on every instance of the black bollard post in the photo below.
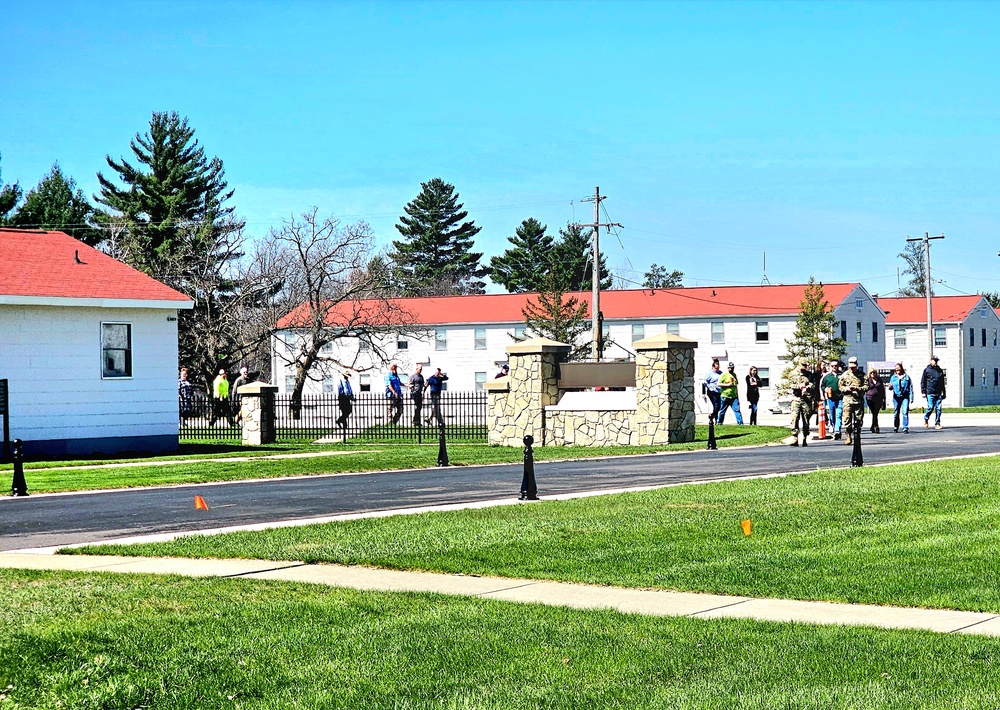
(442, 450)
(20, 486)
(529, 491)
(712, 446)
(857, 458)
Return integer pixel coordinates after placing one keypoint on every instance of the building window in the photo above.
(972, 377)
(764, 374)
(940, 336)
(639, 332)
(899, 337)
(843, 330)
(984, 377)
(763, 333)
(480, 339)
(326, 349)
(440, 339)
(874, 332)
(994, 337)
(972, 337)
(605, 332)
(673, 328)
(402, 345)
(859, 303)
(364, 344)
(365, 383)
(718, 332)
(289, 383)
(982, 312)
(996, 377)
(480, 381)
(116, 349)
(328, 384)
(984, 337)
(857, 332)
(290, 347)
(520, 332)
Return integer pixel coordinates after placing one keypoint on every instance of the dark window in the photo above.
(996, 377)
(984, 337)
(972, 377)
(874, 332)
(843, 330)
(857, 332)
(972, 337)
(116, 349)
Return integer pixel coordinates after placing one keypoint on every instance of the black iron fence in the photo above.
(372, 417)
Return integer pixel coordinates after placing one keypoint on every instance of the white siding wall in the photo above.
(52, 358)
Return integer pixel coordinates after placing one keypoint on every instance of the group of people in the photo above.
(844, 394)
(417, 385)
(222, 405)
(722, 389)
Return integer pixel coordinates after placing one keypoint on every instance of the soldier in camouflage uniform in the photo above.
(852, 387)
(802, 402)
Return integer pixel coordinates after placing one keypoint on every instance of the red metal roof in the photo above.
(42, 264)
(699, 302)
(944, 309)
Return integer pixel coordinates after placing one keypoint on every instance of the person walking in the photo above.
(875, 398)
(753, 393)
(435, 383)
(902, 397)
(345, 399)
(394, 393)
(853, 387)
(185, 395)
(932, 386)
(712, 389)
(834, 399)
(802, 393)
(237, 402)
(729, 392)
(417, 387)
(220, 400)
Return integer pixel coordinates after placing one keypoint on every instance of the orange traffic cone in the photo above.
(200, 504)
(822, 420)
(747, 527)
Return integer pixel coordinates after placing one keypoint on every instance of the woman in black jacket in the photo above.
(875, 398)
(753, 393)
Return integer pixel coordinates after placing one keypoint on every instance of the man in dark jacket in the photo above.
(932, 386)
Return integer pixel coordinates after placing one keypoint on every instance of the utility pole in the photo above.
(926, 239)
(595, 288)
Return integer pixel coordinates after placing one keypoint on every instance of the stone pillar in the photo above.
(664, 389)
(517, 401)
(257, 413)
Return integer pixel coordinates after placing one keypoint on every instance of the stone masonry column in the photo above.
(664, 389)
(257, 413)
(516, 402)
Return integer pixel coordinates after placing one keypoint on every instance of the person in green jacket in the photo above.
(220, 399)
(730, 393)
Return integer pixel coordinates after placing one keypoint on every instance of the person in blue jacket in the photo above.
(902, 398)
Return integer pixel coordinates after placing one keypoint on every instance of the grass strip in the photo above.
(207, 468)
(112, 641)
(922, 535)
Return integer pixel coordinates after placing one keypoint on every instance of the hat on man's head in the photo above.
(935, 358)
(731, 366)
(852, 361)
(347, 373)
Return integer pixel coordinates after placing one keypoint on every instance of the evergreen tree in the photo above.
(572, 263)
(993, 298)
(523, 267)
(435, 256)
(658, 277)
(10, 195)
(550, 314)
(815, 333)
(57, 204)
(913, 255)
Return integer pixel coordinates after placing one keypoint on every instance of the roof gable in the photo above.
(944, 309)
(38, 266)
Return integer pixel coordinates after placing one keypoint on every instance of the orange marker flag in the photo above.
(200, 504)
(746, 527)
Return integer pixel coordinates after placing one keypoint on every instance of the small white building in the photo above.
(88, 347)
(965, 332)
(467, 336)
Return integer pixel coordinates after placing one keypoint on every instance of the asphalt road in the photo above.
(46, 520)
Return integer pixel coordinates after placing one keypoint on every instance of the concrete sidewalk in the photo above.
(577, 596)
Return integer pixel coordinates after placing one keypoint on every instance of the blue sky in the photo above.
(820, 133)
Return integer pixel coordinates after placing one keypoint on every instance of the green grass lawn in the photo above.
(205, 468)
(924, 535)
(114, 641)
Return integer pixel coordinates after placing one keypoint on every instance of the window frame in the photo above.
(718, 333)
(673, 328)
(764, 375)
(941, 342)
(897, 341)
(857, 332)
(480, 381)
(478, 341)
(129, 371)
(638, 329)
(874, 331)
(762, 328)
(440, 338)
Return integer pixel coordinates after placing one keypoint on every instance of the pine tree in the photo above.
(550, 314)
(572, 263)
(913, 255)
(435, 256)
(57, 204)
(815, 333)
(10, 195)
(523, 267)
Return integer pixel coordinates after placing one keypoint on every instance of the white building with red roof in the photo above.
(965, 332)
(88, 347)
(467, 336)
